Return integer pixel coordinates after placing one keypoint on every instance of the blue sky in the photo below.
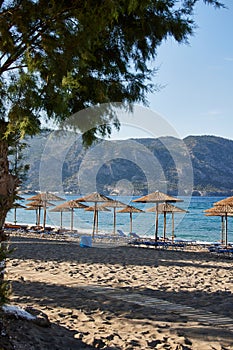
(197, 97)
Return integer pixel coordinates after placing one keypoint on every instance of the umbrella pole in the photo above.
(15, 217)
(226, 228)
(97, 222)
(44, 218)
(156, 222)
(94, 223)
(131, 222)
(173, 228)
(39, 211)
(114, 221)
(61, 221)
(223, 229)
(37, 217)
(72, 219)
(164, 225)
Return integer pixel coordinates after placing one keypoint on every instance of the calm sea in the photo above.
(193, 225)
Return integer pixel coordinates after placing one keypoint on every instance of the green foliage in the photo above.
(59, 57)
(18, 167)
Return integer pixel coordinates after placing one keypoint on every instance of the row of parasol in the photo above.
(103, 203)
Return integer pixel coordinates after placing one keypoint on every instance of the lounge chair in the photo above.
(134, 235)
(121, 233)
(222, 250)
(12, 227)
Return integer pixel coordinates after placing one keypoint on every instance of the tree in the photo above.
(61, 56)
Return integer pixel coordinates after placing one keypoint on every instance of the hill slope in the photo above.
(199, 164)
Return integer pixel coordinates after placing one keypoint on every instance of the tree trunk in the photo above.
(8, 185)
(8, 182)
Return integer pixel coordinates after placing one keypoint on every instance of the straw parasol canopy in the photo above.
(164, 208)
(157, 197)
(226, 201)
(114, 204)
(95, 198)
(98, 208)
(44, 198)
(222, 210)
(70, 205)
(130, 209)
(225, 206)
(37, 205)
(16, 206)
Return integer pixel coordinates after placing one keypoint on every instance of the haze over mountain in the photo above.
(201, 165)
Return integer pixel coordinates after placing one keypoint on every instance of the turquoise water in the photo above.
(193, 225)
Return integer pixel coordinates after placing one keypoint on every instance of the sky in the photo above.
(197, 79)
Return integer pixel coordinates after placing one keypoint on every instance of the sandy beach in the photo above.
(119, 297)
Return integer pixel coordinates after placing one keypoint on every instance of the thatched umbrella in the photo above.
(15, 206)
(157, 197)
(164, 208)
(226, 201)
(38, 204)
(71, 205)
(44, 198)
(114, 204)
(226, 206)
(130, 209)
(97, 208)
(223, 211)
(222, 215)
(95, 198)
(60, 210)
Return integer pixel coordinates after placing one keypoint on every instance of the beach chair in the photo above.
(12, 227)
(121, 233)
(225, 251)
(135, 239)
(134, 235)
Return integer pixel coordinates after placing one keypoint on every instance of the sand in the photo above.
(119, 297)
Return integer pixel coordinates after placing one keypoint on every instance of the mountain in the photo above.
(201, 165)
(212, 160)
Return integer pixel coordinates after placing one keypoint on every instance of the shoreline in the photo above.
(65, 233)
(194, 226)
(122, 297)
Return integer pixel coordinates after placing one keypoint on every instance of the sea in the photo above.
(193, 225)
